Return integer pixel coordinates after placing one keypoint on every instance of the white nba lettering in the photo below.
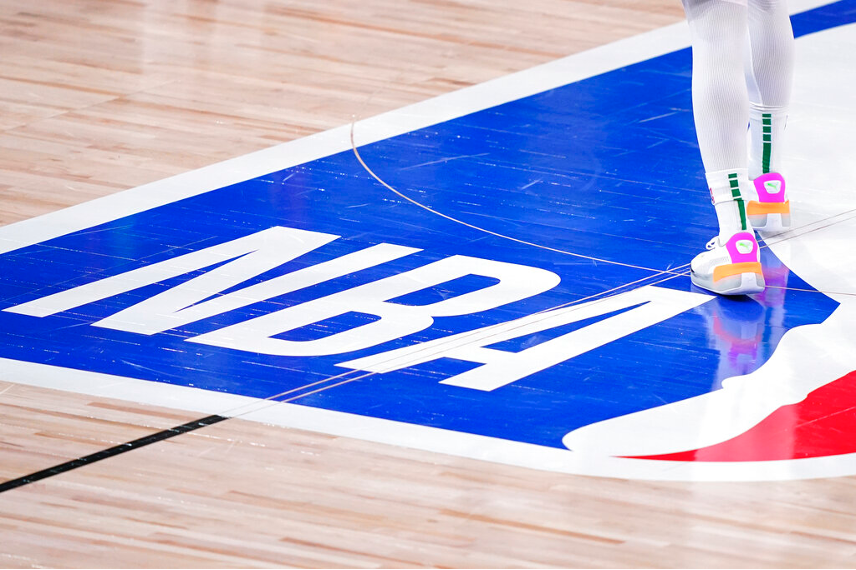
(182, 304)
(501, 368)
(515, 282)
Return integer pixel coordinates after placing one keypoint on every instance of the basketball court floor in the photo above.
(404, 284)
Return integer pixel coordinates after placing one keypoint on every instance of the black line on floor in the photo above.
(111, 452)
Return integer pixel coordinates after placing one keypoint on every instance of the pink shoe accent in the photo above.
(736, 255)
(770, 187)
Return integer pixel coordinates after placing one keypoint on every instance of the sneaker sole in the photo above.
(771, 223)
(769, 217)
(741, 284)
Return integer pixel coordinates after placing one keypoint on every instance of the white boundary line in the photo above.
(419, 437)
(446, 107)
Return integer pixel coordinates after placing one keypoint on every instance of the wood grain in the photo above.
(249, 495)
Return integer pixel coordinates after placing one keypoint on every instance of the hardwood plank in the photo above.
(246, 494)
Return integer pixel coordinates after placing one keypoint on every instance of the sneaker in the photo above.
(730, 269)
(771, 212)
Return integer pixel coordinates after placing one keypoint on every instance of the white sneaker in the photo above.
(770, 210)
(730, 269)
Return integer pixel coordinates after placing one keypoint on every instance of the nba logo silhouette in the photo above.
(538, 315)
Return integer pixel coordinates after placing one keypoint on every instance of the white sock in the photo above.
(766, 138)
(727, 188)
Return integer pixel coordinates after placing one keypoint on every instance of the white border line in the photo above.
(413, 436)
(443, 108)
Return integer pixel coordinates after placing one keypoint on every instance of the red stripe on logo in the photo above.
(821, 425)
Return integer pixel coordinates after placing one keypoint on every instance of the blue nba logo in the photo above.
(545, 315)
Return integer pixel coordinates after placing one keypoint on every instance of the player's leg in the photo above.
(769, 76)
(721, 111)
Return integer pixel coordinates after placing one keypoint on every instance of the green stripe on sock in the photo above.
(767, 150)
(742, 208)
(735, 185)
(735, 193)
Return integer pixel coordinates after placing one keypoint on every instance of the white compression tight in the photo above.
(743, 61)
(742, 73)
(720, 95)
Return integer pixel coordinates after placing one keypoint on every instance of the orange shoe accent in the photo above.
(724, 271)
(761, 208)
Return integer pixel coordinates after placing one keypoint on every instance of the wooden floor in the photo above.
(97, 97)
